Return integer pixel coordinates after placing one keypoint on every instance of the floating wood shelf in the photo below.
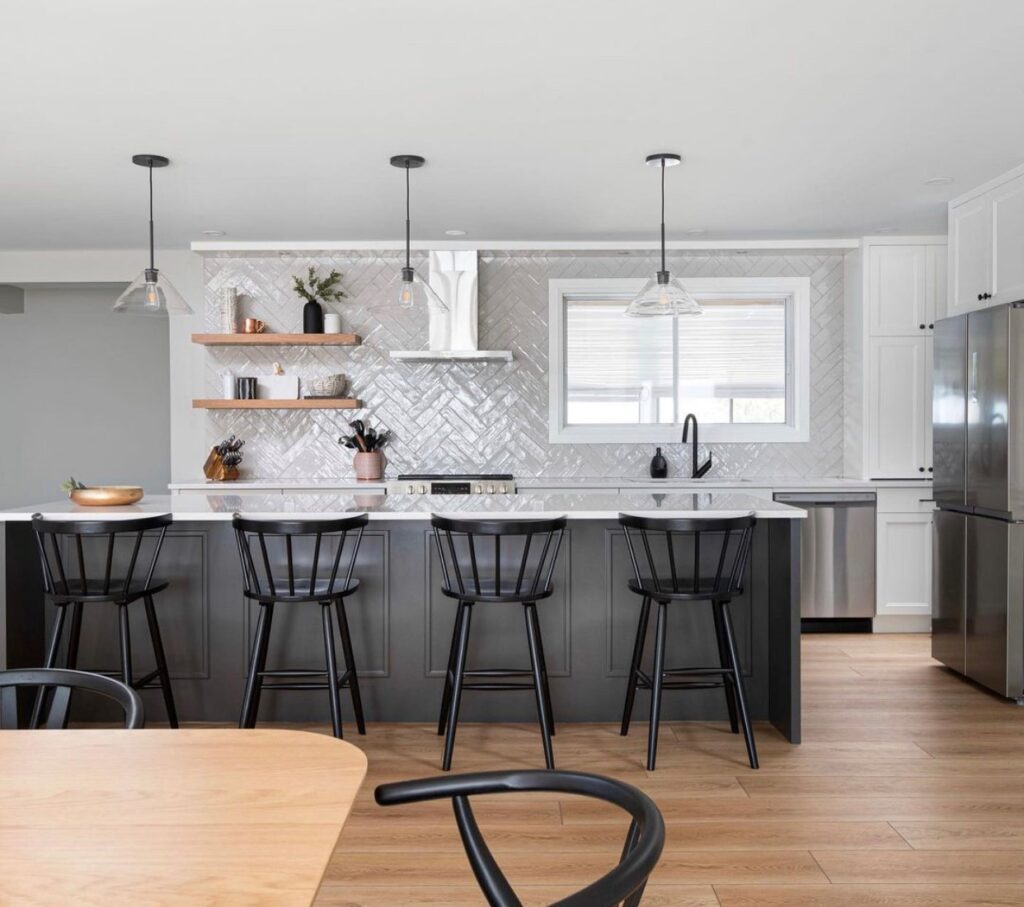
(277, 339)
(306, 403)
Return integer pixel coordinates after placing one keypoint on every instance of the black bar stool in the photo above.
(723, 545)
(93, 583)
(477, 571)
(303, 543)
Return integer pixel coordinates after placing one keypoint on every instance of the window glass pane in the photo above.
(732, 361)
(618, 369)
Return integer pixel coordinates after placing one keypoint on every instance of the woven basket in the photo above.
(324, 386)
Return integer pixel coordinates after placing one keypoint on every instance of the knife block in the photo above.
(215, 470)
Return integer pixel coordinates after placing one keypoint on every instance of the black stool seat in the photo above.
(506, 561)
(78, 570)
(120, 592)
(303, 570)
(687, 561)
(322, 588)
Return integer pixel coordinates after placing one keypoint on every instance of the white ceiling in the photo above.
(796, 118)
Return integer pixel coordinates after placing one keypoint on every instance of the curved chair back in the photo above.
(83, 571)
(64, 682)
(290, 560)
(688, 558)
(622, 885)
(498, 560)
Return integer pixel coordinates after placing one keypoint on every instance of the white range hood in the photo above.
(452, 334)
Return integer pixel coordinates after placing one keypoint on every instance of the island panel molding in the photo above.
(468, 416)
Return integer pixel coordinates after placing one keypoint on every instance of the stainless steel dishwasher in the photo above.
(837, 554)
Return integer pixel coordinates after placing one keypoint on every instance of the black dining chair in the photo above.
(624, 884)
(494, 562)
(288, 562)
(61, 682)
(79, 560)
(684, 562)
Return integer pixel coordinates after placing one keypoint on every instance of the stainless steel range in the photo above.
(469, 483)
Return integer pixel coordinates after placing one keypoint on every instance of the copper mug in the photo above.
(253, 326)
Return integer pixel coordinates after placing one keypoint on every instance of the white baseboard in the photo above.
(902, 623)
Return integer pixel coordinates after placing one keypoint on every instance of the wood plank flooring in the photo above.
(907, 792)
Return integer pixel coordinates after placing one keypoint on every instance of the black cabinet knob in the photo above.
(920, 469)
(930, 469)
(931, 327)
(981, 296)
(921, 326)
(987, 295)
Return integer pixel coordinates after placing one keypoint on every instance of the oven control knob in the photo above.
(503, 489)
(490, 489)
(423, 489)
(477, 489)
(409, 489)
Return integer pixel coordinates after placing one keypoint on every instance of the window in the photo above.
(740, 367)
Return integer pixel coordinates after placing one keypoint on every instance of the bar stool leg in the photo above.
(638, 654)
(350, 665)
(457, 678)
(257, 662)
(449, 672)
(126, 645)
(42, 694)
(657, 680)
(723, 662)
(75, 635)
(741, 700)
(333, 692)
(532, 637)
(543, 668)
(161, 661)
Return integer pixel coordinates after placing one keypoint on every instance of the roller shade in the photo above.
(735, 349)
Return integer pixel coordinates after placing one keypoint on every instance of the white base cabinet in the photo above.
(903, 557)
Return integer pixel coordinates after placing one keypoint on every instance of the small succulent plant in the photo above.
(72, 484)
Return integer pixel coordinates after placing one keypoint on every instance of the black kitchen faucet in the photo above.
(696, 472)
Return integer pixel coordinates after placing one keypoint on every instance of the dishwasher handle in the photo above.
(825, 499)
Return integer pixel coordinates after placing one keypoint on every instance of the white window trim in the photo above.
(796, 290)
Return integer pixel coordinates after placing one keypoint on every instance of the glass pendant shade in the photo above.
(151, 294)
(414, 291)
(663, 297)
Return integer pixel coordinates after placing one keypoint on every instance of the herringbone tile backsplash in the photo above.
(465, 417)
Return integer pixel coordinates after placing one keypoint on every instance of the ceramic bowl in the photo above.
(107, 495)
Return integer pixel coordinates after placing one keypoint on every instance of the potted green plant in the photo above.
(316, 290)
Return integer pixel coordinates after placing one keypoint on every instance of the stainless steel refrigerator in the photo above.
(978, 459)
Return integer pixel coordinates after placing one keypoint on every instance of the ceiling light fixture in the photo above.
(885, 229)
(214, 233)
(663, 294)
(938, 181)
(414, 290)
(454, 232)
(151, 293)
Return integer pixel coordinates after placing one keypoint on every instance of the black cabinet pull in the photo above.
(986, 295)
(981, 296)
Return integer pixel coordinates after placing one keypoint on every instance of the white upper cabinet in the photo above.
(1008, 242)
(899, 304)
(986, 245)
(970, 241)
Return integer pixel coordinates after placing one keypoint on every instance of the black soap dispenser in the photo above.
(659, 466)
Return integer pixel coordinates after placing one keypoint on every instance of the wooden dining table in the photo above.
(183, 817)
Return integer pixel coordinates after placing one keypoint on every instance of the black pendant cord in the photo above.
(407, 230)
(152, 257)
(663, 215)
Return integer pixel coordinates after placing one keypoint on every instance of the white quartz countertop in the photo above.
(582, 506)
(544, 483)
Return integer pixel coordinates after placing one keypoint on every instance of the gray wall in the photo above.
(461, 417)
(83, 392)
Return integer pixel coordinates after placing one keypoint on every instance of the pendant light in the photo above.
(151, 293)
(663, 294)
(414, 290)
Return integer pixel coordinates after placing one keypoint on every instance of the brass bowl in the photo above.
(107, 495)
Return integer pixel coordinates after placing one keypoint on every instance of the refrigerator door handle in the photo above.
(973, 390)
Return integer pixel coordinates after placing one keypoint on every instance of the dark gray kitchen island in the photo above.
(402, 624)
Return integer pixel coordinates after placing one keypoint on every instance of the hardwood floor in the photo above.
(907, 792)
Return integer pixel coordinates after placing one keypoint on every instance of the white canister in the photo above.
(332, 323)
(229, 310)
(229, 385)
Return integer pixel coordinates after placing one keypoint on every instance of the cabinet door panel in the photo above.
(904, 563)
(897, 408)
(898, 291)
(1008, 242)
(938, 292)
(969, 254)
